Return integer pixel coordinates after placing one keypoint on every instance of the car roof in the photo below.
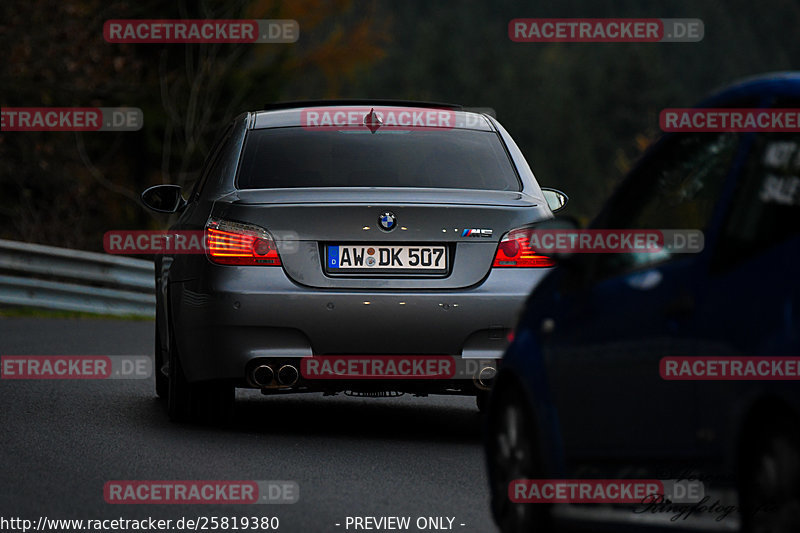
(763, 85)
(290, 114)
(359, 102)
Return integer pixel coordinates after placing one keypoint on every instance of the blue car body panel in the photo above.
(586, 353)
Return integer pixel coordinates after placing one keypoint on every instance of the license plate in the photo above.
(383, 258)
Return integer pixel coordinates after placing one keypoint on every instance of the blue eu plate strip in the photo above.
(333, 257)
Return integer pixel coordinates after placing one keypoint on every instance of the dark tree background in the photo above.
(582, 113)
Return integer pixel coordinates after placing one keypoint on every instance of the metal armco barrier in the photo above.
(72, 280)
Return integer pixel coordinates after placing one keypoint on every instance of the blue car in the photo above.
(582, 391)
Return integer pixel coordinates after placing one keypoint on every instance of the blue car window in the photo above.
(766, 207)
(676, 187)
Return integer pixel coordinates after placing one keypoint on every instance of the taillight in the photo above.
(232, 243)
(514, 250)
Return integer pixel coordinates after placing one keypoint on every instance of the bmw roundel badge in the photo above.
(387, 221)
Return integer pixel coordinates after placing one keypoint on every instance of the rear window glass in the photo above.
(445, 158)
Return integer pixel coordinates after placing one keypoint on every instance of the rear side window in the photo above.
(446, 158)
(766, 208)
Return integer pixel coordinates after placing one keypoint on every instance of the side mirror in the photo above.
(164, 198)
(556, 200)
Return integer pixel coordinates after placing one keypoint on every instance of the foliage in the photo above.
(582, 113)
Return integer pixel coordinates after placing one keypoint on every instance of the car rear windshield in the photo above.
(444, 158)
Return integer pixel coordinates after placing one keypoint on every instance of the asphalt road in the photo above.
(62, 440)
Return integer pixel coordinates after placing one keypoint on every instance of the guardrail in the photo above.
(74, 280)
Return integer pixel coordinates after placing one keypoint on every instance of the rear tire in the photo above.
(512, 452)
(205, 402)
(769, 484)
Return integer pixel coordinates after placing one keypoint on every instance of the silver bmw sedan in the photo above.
(373, 248)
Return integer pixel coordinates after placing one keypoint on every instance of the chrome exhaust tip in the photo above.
(288, 375)
(484, 378)
(262, 376)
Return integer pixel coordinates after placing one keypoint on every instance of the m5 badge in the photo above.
(477, 232)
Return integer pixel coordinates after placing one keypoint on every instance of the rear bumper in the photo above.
(234, 316)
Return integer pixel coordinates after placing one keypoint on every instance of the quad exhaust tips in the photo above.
(484, 377)
(264, 376)
(288, 375)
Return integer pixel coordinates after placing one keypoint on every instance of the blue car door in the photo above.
(620, 313)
